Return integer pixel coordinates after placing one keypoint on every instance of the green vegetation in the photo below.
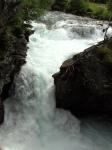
(98, 10)
(106, 52)
(24, 11)
(85, 7)
(15, 24)
(110, 6)
(63, 4)
(29, 10)
(79, 6)
(73, 6)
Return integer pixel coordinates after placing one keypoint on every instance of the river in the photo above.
(31, 120)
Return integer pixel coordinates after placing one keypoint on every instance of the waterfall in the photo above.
(31, 120)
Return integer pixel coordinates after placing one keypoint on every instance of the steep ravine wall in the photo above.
(13, 47)
(84, 83)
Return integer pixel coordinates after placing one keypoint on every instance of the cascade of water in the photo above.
(31, 121)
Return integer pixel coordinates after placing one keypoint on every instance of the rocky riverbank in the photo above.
(13, 48)
(84, 83)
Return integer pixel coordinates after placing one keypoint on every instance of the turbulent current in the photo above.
(31, 120)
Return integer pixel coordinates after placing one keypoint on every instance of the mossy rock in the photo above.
(105, 53)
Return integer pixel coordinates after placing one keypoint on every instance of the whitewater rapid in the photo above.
(31, 120)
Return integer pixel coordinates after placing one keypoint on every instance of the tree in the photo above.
(23, 11)
(31, 9)
(16, 23)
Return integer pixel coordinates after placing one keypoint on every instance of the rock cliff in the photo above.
(84, 83)
(13, 41)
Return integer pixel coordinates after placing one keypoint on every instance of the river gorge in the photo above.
(31, 120)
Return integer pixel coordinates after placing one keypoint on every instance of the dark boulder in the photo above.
(84, 83)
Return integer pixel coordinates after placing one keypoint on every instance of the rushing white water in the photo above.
(31, 120)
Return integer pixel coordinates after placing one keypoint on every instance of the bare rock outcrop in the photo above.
(84, 83)
(13, 48)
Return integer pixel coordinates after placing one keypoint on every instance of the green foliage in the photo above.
(85, 7)
(13, 24)
(64, 4)
(99, 11)
(97, 7)
(79, 6)
(26, 10)
(106, 54)
(110, 6)
(30, 10)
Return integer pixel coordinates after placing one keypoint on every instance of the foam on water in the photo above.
(31, 120)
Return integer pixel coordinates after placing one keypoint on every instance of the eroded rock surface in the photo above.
(84, 83)
(13, 41)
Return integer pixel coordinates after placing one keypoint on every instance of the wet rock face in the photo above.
(84, 83)
(12, 50)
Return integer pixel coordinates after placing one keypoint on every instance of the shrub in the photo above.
(110, 6)
(63, 4)
(78, 6)
(99, 12)
(19, 11)
(31, 9)
(26, 10)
